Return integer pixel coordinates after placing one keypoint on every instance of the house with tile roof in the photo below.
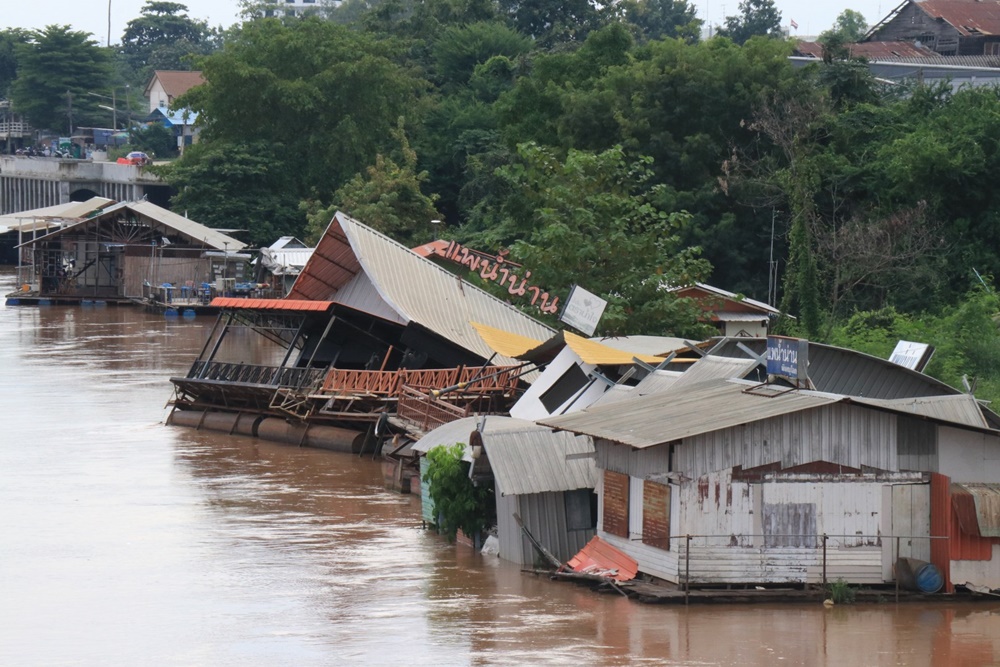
(167, 85)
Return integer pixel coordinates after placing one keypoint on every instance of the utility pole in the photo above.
(69, 102)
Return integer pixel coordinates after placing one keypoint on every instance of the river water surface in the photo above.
(127, 542)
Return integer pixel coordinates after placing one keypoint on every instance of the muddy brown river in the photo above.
(127, 542)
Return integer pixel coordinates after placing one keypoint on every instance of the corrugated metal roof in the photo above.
(460, 429)
(285, 261)
(233, 303)
(849, 372)
(190, 228)
(714, 368)
(655, 419)
(53, 216)
(592, 352)
(733, 296)
(958, 408)
(870, 50)
(987, 499)
(657, 346)
(416, 288)
(600, 558)
(539, 460)
(739, 317)
(979, 18)
(614, 394)
(504, 342)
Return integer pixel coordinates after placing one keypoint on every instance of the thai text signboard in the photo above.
(787, 357)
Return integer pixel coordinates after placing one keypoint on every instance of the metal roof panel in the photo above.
(538, 460)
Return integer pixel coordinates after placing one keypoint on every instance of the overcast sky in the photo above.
(812, 16)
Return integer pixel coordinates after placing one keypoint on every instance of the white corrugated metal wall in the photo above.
(844, 434)
(544, 515)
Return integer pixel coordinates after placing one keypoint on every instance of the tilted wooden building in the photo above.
(368, 337)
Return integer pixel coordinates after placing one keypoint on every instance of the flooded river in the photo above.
(127, 542)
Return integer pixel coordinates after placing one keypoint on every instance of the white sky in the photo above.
(812, 16)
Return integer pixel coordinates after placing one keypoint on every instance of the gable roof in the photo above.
(736, 299)
(189, 228)
(415, 288)
(174, 82)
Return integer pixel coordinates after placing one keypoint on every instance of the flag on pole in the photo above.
(794, 24)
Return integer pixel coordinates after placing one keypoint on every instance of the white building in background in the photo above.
(297, 7)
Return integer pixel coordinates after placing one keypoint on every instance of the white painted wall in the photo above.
(968, 456)
(979, 572)
(530, 407)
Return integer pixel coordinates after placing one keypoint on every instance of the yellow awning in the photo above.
(505, 343)
(593, 352)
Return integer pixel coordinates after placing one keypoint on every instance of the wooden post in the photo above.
(824, 562)
(895, 571)
(687, 568)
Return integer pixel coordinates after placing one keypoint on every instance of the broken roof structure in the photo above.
(389, 335)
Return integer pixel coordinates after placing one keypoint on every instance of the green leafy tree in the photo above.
(10, 39)
(328, 96)
(755, 18)
(459, 503)
(57, 67)
(155, 139)
(387, 198)
(551, 22)
(237, 185)
(658, 19)
(461, 49)
(593, 219)
(850, 27)
(163, 37)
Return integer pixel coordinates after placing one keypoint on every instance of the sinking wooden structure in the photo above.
(372, 339)
(120, 252)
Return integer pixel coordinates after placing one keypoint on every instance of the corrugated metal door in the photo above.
(616, 496)
(656, 515)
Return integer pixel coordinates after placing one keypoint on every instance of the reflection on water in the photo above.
(127, 542)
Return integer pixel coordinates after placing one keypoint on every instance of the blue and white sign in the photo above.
(787, 357)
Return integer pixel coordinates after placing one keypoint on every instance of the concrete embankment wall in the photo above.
(273, 429)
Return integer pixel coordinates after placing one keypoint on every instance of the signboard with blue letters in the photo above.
(788, 357)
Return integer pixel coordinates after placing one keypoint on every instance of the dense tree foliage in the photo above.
(605, 145)
(756, 18)
(10, 39)
(56, 68)
(164, 37)
(458, 502)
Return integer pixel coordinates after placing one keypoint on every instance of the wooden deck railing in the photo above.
(428, 412)
(491, 379)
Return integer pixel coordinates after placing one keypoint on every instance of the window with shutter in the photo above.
(616, 503)
(656, 515)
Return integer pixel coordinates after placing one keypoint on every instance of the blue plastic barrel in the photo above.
(929, 579)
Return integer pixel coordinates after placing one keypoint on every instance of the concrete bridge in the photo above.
(34, 182)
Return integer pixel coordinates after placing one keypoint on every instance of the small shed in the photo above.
(546, 479)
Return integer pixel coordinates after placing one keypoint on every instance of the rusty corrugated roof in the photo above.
(871, 50)
(235, 303)
(969, 18)
(600, 558)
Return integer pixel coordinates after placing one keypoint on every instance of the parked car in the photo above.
(138, 158)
